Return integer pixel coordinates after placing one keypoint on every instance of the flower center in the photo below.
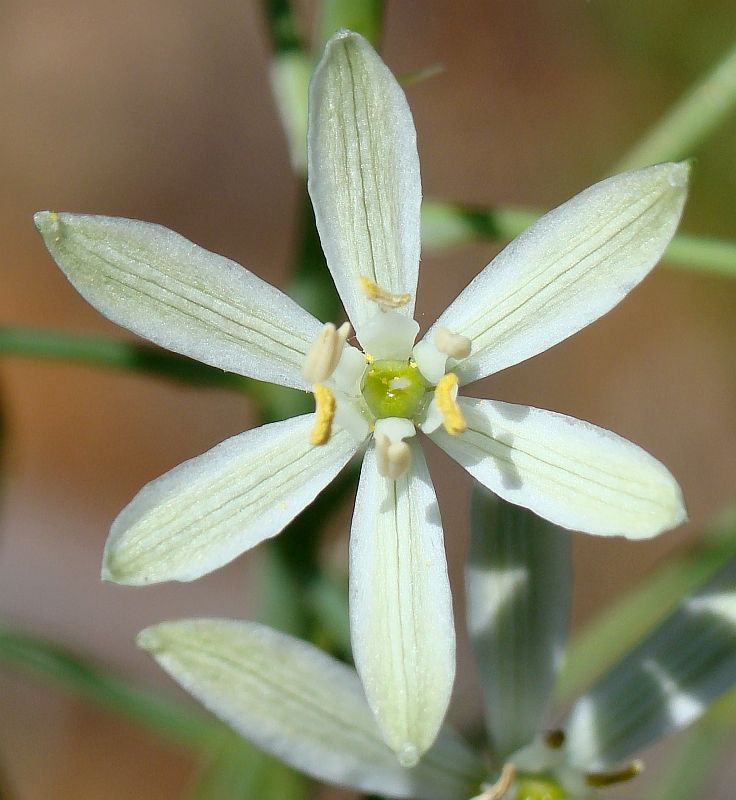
(394, 389)
(536, 788)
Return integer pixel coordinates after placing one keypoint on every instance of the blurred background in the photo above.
(162, 111)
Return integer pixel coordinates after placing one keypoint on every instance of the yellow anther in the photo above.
(383, 297)
(445, 394)
(600, 779)
(324, 413)
(452, 344)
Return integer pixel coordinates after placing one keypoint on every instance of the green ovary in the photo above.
(528, 788)
(394, 389)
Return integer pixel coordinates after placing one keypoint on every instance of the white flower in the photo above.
(308, 709)
(568, 269)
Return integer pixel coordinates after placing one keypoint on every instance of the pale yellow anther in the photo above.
(324, 414)
(445, 395)
(627, 773)
(324, 354)
(382, 297)
(393, 459)
(452, 344)
(501, 786)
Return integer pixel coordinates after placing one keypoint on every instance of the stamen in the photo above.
(554, 738)
(383, 297)
(393, 459)
(452, 344)
(324, 354)
(445, 394)
(599, 779)
(501, 786)
(324, 413)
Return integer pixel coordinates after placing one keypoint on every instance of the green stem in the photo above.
(104, 351)
(273, 402)
(679, 132)
(702, 253)
(446, 225)
(164, 717)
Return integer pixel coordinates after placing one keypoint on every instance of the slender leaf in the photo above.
(75, 673)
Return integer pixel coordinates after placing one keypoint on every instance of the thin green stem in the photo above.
(702, 253)
(103, 351)
(679, 132)
(272, 402)
(164, 717)
(446, 225)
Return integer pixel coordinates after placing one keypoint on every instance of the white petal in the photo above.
(518, 581)
(400, 605)
(568, 471)
(569, 268)
(666, 682)
(363, 174)
(301, 705)
(209, 510)
(180, 296)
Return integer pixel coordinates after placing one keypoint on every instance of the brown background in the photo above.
(161, 110)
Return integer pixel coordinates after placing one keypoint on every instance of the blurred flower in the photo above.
(308, 709)
(568, 269)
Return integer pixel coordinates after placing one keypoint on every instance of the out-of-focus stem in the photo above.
(272, 402)
(165, 717)
(697, 114)
(446, 225)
